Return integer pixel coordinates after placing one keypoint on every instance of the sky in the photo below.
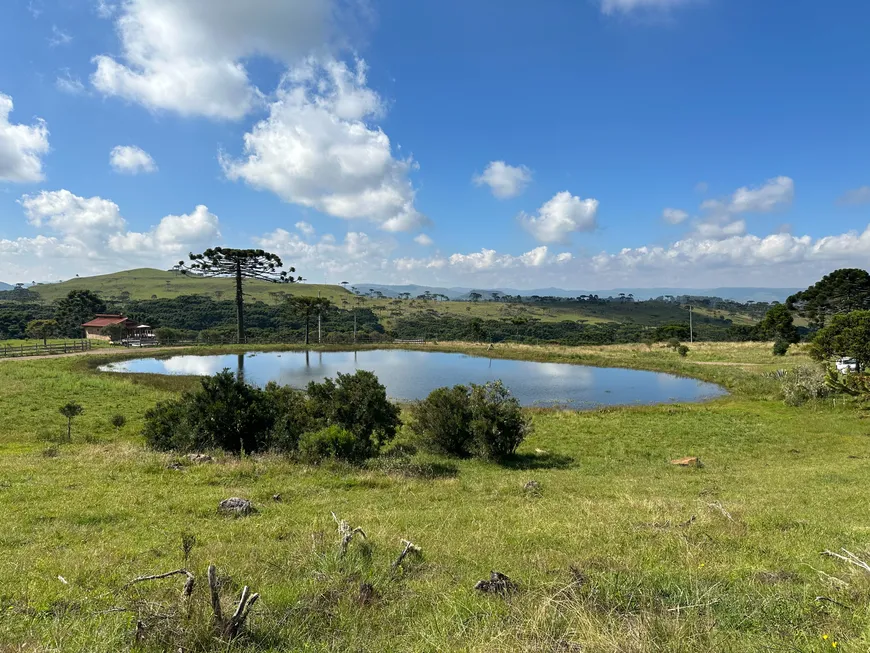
(584, 144)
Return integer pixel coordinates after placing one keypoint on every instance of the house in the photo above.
(94, 328)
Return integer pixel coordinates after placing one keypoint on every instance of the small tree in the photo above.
(846, 336)
(239, 264)
(42, 330)
(778, 324)
(118, 421)
(75, 309)
(683, 351)
(498, 424)
(306, 307)
(780, 347)
(114, 331)
(70, 411)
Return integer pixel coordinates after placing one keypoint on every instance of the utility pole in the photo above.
(355, 302)
(691, 331)
(319, 313)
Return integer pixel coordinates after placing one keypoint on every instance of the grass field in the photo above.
(618, 551)
(146, 283)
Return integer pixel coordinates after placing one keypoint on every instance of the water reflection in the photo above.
(413, 374)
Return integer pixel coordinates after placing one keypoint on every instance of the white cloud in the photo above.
(89, 235)
(305, 228)
(561, 216)
(58, 37)
(189, 56)
(764, 199)
(856, 196)
(105, 9)
(175, 234)
(424, 240)
(504, 180)
(69, 84)
(628, 6)
(674, 216)
(357, 255)
(131, 160)
(21, 146)
(317, 150)
(722, 215)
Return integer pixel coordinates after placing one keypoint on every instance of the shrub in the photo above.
(443, 421)
(224, 413)
(780, 347)
(356, 402)
(70, 411)
(801, 384)
(333, 443)
(118, 421)
(673, 343)
(683, 351)
(291, 416)
(498, 424)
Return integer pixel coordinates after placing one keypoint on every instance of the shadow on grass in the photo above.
(537, 461)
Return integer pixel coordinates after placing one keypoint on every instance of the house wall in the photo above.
(93, 333)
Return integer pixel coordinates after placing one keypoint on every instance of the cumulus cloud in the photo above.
(317, 149)
(424, 240)
(674, 216)
(357, 255)
(628, 6)
(505, 181)
(89, 235)
(856, 197)
(21, 146)
(722, 217)
(560, 217)
(305, 228)
(131, 160)
(189, 56)
(66, 83)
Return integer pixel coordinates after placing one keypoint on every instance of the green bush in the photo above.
(683, 351)
(780, 347)
(333, 443)
(498, 424)
(226, 413)
(673, 343)
(358, 403)
(443, 421)
(291, 416)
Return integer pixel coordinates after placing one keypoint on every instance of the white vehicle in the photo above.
(846, 365)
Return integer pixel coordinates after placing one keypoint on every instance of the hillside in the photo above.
(147, 283)
(6, 286)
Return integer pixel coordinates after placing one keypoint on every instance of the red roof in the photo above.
(104, 320)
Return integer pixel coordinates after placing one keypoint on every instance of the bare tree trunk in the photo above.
(240, 304)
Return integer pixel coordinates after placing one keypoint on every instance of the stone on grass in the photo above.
(689, 461)
(198, 458)
(236, 506)
(498, 583)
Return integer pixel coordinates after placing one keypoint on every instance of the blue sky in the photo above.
(583, 144)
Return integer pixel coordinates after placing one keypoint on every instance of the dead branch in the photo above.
(828, 600)
(188, 584)
(346, 533)
(849, 558)
(410, 547)
(718, 507)
(231, 627)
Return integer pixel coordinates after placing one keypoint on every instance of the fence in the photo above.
(39, 349)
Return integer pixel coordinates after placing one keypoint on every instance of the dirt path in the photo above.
(92, 352)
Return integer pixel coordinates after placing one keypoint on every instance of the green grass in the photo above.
(146, 283)
(607, 556)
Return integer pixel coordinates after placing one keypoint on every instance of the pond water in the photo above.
(410, 375)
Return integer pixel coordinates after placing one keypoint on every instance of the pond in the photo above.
(410, 375)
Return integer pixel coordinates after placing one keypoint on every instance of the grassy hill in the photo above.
(147, 283)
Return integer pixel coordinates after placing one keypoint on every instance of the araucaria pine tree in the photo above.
(239, 264)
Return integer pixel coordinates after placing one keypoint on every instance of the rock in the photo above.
(276, 497)
(177, 466)
(198, 458)
(498, 583)
(690, 461)
(236, 506)
(532, 487)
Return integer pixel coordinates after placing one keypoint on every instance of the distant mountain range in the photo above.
(5, 286)
(734, 294)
